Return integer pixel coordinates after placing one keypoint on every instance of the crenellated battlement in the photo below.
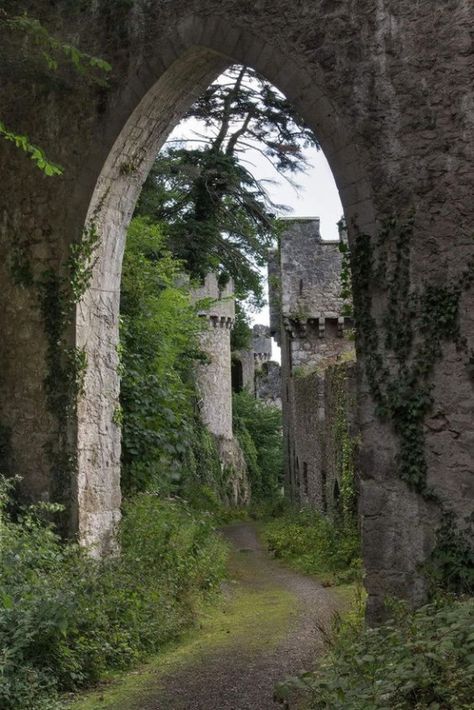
(219, 321)
(304, 281)
(215, 301)
(308, 320)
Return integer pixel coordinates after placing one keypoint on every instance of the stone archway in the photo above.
(111, 207)
(361, 77)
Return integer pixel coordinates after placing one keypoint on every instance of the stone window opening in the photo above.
(237, 375)
(337, 496)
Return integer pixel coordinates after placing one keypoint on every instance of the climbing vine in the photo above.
(400, 358)
(346, 441)
(65, 364)
(415, 324)
(58, 295)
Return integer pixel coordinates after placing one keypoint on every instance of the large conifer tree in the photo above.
(219, 217)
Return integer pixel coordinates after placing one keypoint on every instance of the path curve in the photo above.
(242, 674)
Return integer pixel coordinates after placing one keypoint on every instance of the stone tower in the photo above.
(214, 377)
(214, 381)
(262, 345)
(247, 364)
(267, 372)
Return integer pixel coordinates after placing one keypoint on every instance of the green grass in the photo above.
(248, 616)
(314, 544)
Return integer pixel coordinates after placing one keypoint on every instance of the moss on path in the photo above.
(265, 626)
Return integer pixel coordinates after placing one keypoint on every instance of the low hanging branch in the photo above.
(42, 47)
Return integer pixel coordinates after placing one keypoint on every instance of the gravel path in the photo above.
(240, 674)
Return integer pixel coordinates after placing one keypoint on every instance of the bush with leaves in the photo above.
(66, 618)
(451, 564)
(159, 348)
(421, 660)
(258, 429)
(315, 544)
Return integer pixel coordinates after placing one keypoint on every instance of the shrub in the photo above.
(423, 659)
(451, 565)
(159, 348)
(258, 428)
(316, 544)
(66, 618)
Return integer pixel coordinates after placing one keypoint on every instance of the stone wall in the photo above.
(306, 463)
(268, 383)
(323, 427)
(387, 85)
(214, 382)
(323, 437)
(341, 437)
(305, 288)
(309, 272)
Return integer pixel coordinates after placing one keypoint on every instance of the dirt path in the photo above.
(267, 627)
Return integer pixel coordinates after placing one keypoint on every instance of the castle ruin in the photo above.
(387, 88)
(318, 383)
(254, 370)
(216, 306)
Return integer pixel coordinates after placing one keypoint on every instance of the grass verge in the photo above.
(248, 617)
(315, 544)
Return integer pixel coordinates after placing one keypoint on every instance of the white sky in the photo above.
(317, 196)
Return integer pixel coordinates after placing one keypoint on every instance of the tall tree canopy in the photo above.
(219, 216)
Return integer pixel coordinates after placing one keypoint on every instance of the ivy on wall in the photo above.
(401, 348)
(58, 293)
(409, 335)
(346, 441)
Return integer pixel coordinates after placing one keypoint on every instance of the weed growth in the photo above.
(65, 618)
(315, 544)
(420, 660)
